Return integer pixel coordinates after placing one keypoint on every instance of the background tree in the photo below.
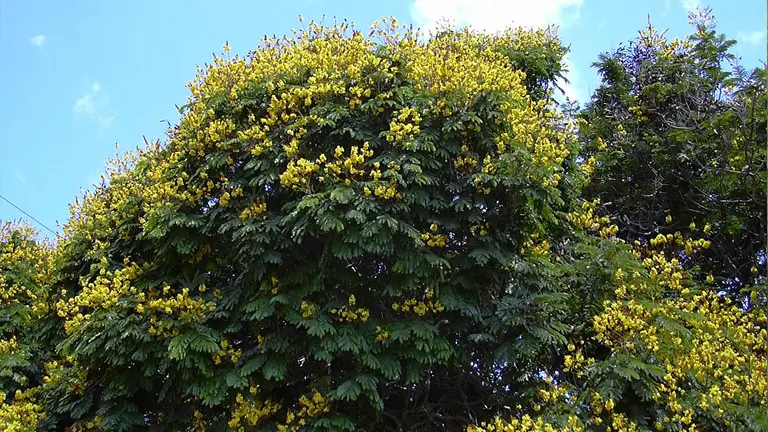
(25, 342)
(679, 130)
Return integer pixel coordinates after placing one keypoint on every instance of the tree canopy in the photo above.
(679, 127)
(377, 231)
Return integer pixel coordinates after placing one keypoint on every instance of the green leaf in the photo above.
(203, 342)
(390, 367)
(275, 369)
(260, 308)
(367, 382)
(674, 326)
(236, 380)
(252, 365)
(349, 390)
(178, 346)
(319, 326)
(342, 195)
(335, 423)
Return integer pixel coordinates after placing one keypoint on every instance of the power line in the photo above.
(28, 215)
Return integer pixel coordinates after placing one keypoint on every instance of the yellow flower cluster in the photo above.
(218, 131)
(316, 406)
(637, 111)
(589, 166)
(22, 413)
(226, 196)
(351, 166)
(404, 126)
(576, 361)
(540, 249)
(103, 293)
(721, 355)
(298, 173)
(8, 346)
(420, 307)
(652, 38)
(274, 283)
(157, 303)
(349, 314)
(226, 351)
(553, 393)
(553, 181)
(466, 163)
(253, 211)
(20, 250)
(385, 192)
(381, 334)
(489, 165)
(526, 423)
(482, 229)
(536, 247)
(247, 414)
(307, 309)
(667, 272)
(199, 422)
(620, 318)
(629, 287)
(588, 220)
(689, 246)
(435, 240)
(54, 372)
(381, 189)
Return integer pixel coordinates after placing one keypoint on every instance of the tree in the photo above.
(25, 346)
(680, 141)
(327, 239)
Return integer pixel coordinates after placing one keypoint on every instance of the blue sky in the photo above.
(80, 76)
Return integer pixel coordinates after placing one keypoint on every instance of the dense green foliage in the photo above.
(382, 233)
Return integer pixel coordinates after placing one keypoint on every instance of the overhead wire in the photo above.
(27, 214)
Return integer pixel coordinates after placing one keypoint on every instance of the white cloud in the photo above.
(574, 89)
(752, 38)
(667, 6)
(38, 40)
(20, 177)
(496, 15)
(690, 5)
(93, 105)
